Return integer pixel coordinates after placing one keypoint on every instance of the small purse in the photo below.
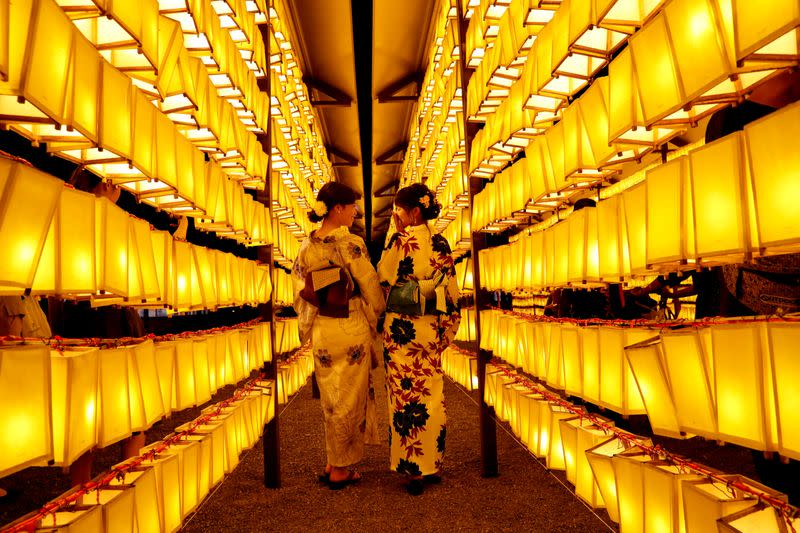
(406, 299)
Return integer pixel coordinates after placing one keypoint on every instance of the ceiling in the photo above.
(363, 61)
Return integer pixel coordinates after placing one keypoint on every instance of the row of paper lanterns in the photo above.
(72, 400)
(730, 381)
(619, 472)
(113, 127)
(733, 197)
(166, 486)
(72, 243)
(171, 477)
(681, 36)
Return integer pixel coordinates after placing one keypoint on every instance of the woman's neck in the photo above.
(328, 226)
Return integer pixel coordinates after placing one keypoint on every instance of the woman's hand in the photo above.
(398, 224)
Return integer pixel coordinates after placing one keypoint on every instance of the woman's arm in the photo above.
(390, 260)
(305, 311)
(357, 259)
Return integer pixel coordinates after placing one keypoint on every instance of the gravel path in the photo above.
(525, 497)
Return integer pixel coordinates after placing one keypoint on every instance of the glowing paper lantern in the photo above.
(75, 223)
(78, 519)
(165, 362)
(663, 496)
(766, 35)
(185, 379)
(73, 379)
(743, 413)
(618, 390)
(689, 374)
(572, 360)
(29, 200)
(142, 481)
(214, 432)
(753, 520)
(629, 476)
(609, 239)
(112, 251)
(599, 458)
(718, 190)
(590, 362)
(586, 488)
(555, 451)
(773, 170)
(202, 370)
(117, 503)
(647, 363)
(144, 357)
(634, 201)
(168, 483)
(706, 501)
(114, 413)
(669, 220)
(25, 384)
(784, 339)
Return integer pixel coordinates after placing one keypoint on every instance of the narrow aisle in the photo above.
(523, 498)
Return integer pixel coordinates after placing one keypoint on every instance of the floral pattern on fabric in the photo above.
(412, 353)
(341, 345)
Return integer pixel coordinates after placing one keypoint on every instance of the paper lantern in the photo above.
(162, 256)
(646, 359)
(25, 383)
(188, 453)
(202, 370)
(773, 169)
(634, 201)
(599, 458)
(669, 222)
(767, 35)
(689, 375)
(561, 253)
(168, 482)
(662, 485)
(720, 223)
(182, 264)
(706, 501)
(590, 362)
(28, 202)
(552, 434)
(572, 360)
(165, 363)
(144, 355)
(586, 488)
(756, 519)
(73, 379)
(76, 519)
(609, 239)
(214, 433)
(743, 413)
(142, 481)
(784, 339)
(629, 476)
(117, 503)
(114, 413)
(555, 359)
(111, 250)
(146, 266)
(75, 223)
(618, 390)
(185, 379)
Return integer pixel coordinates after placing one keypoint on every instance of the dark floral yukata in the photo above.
(412, 352)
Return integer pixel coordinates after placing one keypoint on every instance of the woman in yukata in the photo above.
(414, 341)
(340, 319)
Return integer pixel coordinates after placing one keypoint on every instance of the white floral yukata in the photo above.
(341, 346)
(412, 352)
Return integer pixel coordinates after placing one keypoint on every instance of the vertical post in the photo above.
(488, 430)
(272, 457)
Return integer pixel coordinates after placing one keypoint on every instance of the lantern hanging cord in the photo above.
(788, 512)
(703, 322)
(118, 472)
(59, 343)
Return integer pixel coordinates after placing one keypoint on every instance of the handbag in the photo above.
(405, 299)
(329, 289)
(415, 297)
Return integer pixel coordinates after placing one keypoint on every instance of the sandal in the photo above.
(325, 476)
(415, 486)
(352, 478)
(432, 479)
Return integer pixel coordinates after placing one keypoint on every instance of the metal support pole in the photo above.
(272, 457)
(488, 431)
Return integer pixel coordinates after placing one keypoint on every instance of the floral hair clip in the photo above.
(320, 208)
(425, 200)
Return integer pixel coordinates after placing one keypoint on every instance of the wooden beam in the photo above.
(382, 192)
(386, 157)
(347, 160)
(336, 97)
(390, 93)
(383, 212)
